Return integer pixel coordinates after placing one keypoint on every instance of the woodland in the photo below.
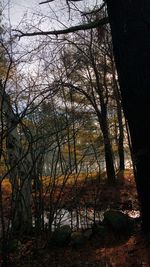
(74, 134)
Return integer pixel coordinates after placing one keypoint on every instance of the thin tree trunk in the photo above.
(108, 150)
(102, 116)
(121, 130)
(121, 138)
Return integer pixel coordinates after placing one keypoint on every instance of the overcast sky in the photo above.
(16, 9)
(28, 15)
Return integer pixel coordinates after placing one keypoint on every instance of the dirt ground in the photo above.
(132, 251)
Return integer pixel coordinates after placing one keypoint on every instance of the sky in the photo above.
(16, 10)
(28, 15)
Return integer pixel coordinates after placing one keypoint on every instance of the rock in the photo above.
(88, 233)
(13, 245)
(117, 221)
(102, 231)
(78, 239)
(61, 236)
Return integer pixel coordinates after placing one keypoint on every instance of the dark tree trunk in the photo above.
(121, 130)
(130, 26)
(103, 121)
(121, 138)
(108, 151)
(19, 168)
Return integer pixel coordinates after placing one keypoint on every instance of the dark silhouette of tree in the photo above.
(130, 27)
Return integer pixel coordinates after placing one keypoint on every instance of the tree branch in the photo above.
(94, 11)
(48, 1)
(87, 26)
(45, 2)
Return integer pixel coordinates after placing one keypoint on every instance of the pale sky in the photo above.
(28, 15)
(17, 9)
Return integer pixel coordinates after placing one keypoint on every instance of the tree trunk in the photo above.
(121, 138)
(130, 26)
(121, 130)
(108, 150)
(102, 117)
(19, 168)
(109, 161)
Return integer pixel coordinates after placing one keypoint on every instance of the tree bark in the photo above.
(130, 26)
(110, 170)
(107, 149)
(103, 121)
(121, 128)
(20, 167)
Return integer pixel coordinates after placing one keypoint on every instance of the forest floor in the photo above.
(114, 251)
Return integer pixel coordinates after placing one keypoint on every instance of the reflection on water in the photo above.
(81, 217)
(133, 213)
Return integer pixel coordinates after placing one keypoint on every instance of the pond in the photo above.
(80, 218)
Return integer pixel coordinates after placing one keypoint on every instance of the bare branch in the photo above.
(45, 2)
(94, 11)
(48, 1)
(87, 26)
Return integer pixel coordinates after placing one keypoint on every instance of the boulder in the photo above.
(117, 221)
(13, 245)
(88, 233)
(101, 231)
(78, 239)
(61, 235)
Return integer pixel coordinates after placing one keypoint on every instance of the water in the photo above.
(81, 217)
